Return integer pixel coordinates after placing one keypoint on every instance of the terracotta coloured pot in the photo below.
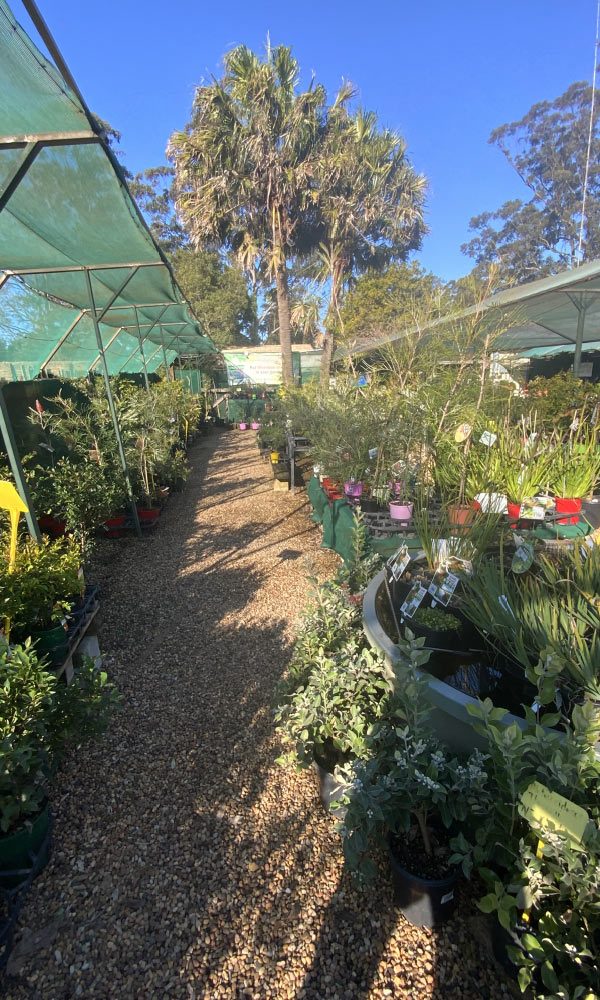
(568, 505)
(461, 515)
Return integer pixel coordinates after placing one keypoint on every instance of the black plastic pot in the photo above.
(26, 851)
(369, 505)
(591, 511)
(424, 902)
(436, 638)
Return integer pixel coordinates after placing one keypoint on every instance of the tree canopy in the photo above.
(385, 302)
(548, 148)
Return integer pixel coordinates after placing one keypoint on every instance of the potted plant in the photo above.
(41, 719)
(441, 629)
(573, 474)
(408, 792)
(334, 689)
(40, 591)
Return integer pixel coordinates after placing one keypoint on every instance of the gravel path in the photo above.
(187, 864)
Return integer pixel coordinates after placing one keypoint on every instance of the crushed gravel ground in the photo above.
(187, 864)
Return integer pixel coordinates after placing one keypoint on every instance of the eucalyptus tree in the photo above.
(245, 169)
(371, 200)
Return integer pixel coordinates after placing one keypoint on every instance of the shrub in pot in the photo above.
(407, 791)
(556, 885)
(573, 474)
(40, 591)
(40, 718)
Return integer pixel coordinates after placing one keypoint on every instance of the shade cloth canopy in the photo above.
(561, 312)
(73, 244)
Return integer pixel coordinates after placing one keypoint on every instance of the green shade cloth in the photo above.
(317, 497)
(68, 209)
(563, 531)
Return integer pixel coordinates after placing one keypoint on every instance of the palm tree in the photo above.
(371, 200)
(245, 169)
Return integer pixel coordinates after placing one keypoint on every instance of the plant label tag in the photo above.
(443, 586)
(373, 452)
(522, 559)
(503, 602)
(413, 600)
(447, 898)
(532, 511)
(488, 439)
(399, 562)
(553, 812)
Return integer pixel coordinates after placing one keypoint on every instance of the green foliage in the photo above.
(407, 777)
(335, 687)
(439, 621)
(218, 294)
(548, 148)
(559, 889)
(82, 494)
(364, 564)
(385, 302)
(550, 612)
(555, 401)
(39, 720)
(43, 585)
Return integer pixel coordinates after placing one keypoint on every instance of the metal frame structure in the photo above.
(156, 331)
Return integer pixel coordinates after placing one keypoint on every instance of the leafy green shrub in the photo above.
(43, 585)
(40, 719)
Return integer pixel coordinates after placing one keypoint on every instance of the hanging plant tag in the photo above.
(532, 510)
(462, 432)
(398, 562)
(503, 602)
(522, 559)
(553, 812)
(488, 438)
(413, 600)
(443, 586)
(373, 453)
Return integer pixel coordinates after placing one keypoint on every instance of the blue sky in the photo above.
(444, 74)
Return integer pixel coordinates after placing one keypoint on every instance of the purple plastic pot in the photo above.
(353, 489)
(400, 511)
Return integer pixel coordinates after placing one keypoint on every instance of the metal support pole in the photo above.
(579, 337)
(137, 323)
(112, 407)
(165, 359)
(133, 353)
(17, 469)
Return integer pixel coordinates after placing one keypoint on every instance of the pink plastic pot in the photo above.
(400, 511)
(567, 505)
(255, 426)
(353, 489)
(243, 427)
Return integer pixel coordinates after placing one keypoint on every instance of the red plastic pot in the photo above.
(115, 526)
(52, 526)
(148, 515)
(514, 509)
(568, 505)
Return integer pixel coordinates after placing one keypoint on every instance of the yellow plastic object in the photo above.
(553, 812)
(11, 501)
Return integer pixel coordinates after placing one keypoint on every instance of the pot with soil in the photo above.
(243, 426)
(53, 644)
(148, 516)
(441, 629)
(424, 884)
(568, 505)
(53, 526)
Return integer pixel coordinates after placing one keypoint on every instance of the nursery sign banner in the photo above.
(264, 367)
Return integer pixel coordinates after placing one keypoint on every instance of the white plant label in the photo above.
(443, 586)
(488, 438)
(503, 602)
(398, 562)
(412, 602)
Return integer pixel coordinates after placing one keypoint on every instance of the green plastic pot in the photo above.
(52, 643)
(21, 849)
